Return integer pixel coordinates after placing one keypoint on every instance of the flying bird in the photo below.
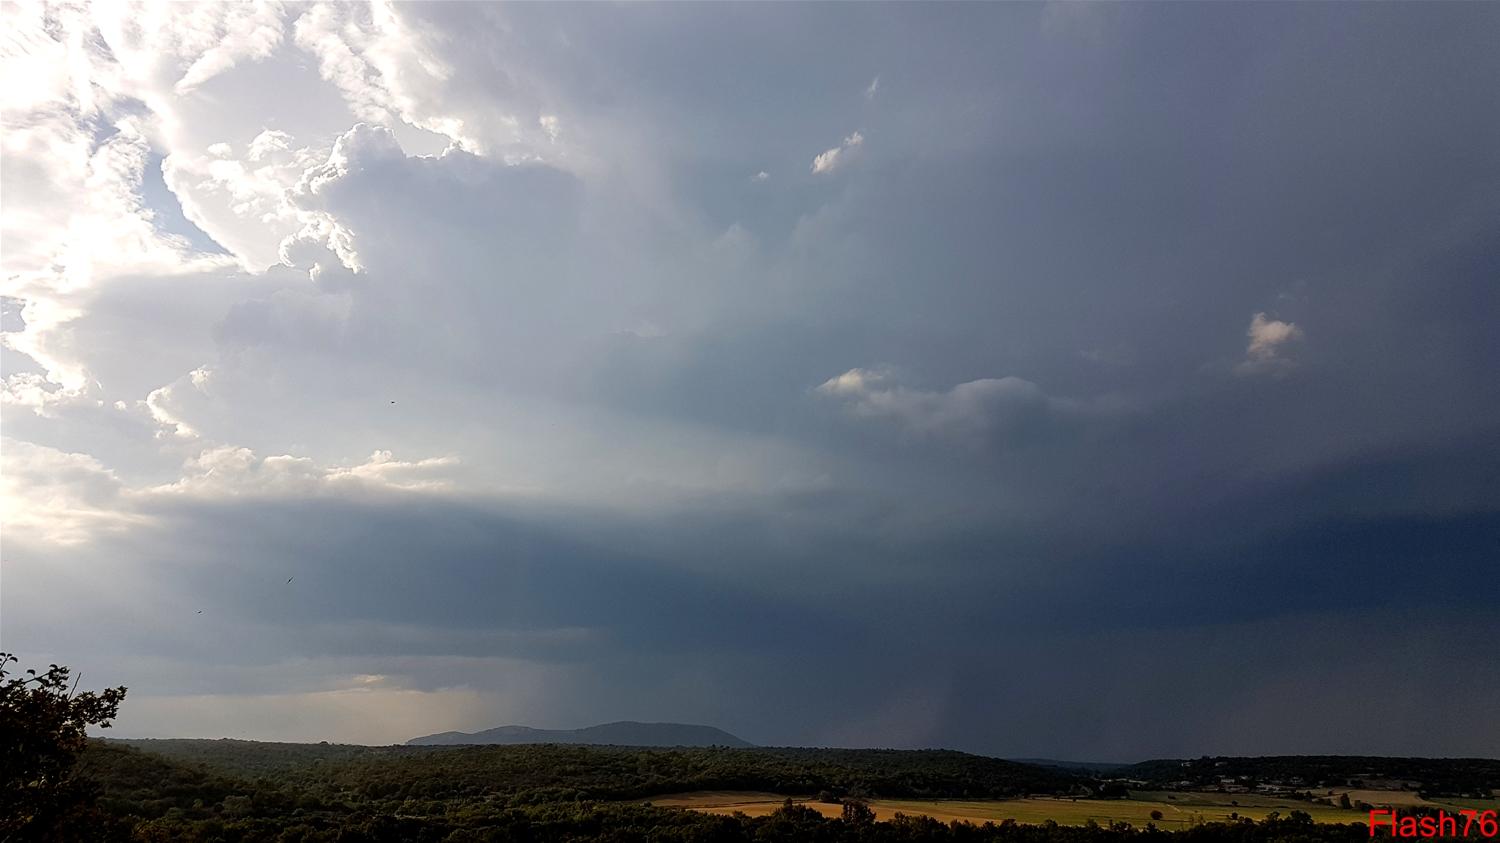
(289, 579)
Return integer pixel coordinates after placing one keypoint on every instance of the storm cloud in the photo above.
(1092, 381)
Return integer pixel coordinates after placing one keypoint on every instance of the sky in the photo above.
(1099, 382)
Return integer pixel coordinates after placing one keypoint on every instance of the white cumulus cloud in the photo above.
(1270, 339)
(970, 411)
(829, 160)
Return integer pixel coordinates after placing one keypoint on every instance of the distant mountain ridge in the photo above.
(621, 733)
(1075, 766)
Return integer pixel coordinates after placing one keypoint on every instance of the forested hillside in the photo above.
(547, 794)
(536, 773)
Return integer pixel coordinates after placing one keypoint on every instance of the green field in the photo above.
(1476, 804)
(1178, 810)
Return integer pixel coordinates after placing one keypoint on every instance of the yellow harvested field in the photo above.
(1382, 797)
(1407, 798)
(1181, 810)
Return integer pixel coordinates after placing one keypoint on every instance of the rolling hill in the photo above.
(622, 733)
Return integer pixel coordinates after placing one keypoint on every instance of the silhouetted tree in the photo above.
(857, 813)
(43, 727)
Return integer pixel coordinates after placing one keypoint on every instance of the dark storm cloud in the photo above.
(1052, 500)
(862, 627)
(472, 568)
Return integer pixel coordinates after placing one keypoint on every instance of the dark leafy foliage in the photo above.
(534, 774)
(43, 725)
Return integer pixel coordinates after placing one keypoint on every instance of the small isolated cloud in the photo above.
(1270, 340)
(970, 411)
(873, 89)
(827, 161)
(761, 176)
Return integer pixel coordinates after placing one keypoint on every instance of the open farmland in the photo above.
(1461, 803)
(1409, 799)
(1178, 810)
